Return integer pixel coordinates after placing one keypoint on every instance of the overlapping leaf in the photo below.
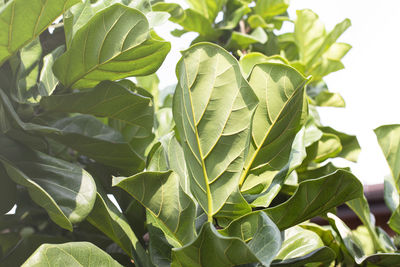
(212, 109)
(314, 197)
(106, 217)
(161, 195)
(84, 133)
(94, 55)
(302, 246)
(70, 254)
(229, 247)
(278, 117)
(18, 27)
(65, 190)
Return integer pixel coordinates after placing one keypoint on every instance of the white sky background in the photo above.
(367, 83)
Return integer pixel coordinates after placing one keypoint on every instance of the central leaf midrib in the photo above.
(208, 190)
(247, 168)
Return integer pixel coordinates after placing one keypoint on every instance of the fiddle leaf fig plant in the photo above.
(106, 165)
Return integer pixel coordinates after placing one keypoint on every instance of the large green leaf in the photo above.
(70, 254)
(94, 55)
(161, 195)
(19, 27)
(278, 117)
(84, 133)
(302, 246)
(106, 217)
(111, 100)
(389, 141)
(228, 247)
(66, 191)
(315, 197)
(212, 109)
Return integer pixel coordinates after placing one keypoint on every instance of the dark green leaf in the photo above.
(8, 192)
(66, 191)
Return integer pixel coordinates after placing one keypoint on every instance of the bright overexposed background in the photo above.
(368, 83)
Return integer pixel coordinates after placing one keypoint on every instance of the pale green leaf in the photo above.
(19, 27)
(280, 114)
(47, 79)
(95, 56)
(270, 8)
(70, 254)
(248, 61)
(212, 108)
(208, 8)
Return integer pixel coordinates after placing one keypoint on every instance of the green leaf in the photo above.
(259, 232)
(389, 141)
(270, 8)
(66, 191)
(329, 146)
(29, 57)
(329, 99)
(81, 132)
(70, 254)
(8, 192)
(229, 247)
(350, 146)
(208, 8)
(361, 208)
(212, 109)
(248, 61)
(161, 195)
(297, 155)
(106, 217)
(302, 246)
(315, 197)
(280, 114)
(47, 80)
(111, 100)
(18, 27)
(242, 41)
(95, 56)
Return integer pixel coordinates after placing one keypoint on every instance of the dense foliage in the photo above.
(225, 170)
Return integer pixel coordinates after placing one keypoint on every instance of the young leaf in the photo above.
(270, 8)
(315, 197)
(70, 254)
(95, 56)
(212, 108)
(66, 191)
(17, 27)
(278, 117)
